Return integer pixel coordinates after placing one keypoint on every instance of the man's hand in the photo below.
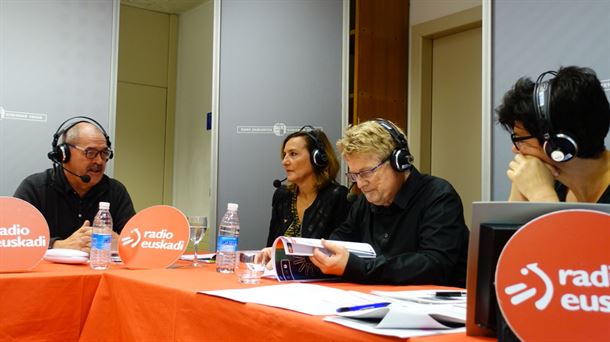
(80, 239)
(532, 178)
(334, 264)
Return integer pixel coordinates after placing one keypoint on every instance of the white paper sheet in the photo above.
(409, 315)
(370, 327)
(421, 296)
(305, 298)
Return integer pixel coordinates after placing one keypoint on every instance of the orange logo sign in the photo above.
(154, 238)
(24, 235)
(553, 278)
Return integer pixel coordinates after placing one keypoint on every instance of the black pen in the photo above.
(363, 307)
(450, 294)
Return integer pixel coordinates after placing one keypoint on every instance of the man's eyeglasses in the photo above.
(517, 139)
(91, 153)
(364, 174)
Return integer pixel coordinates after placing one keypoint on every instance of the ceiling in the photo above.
(165, 6)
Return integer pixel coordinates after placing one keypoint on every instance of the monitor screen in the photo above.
(493, 223)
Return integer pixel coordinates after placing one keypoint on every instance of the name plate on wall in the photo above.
(154, 238)
(24, 235)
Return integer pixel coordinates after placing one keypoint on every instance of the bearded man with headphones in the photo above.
(68, 194)
(558, 125)
(415, 222)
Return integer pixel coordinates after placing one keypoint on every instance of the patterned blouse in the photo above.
(294, 230)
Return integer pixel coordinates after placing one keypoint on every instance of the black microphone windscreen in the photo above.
(85, 178)
(278, 182)
(351, 197)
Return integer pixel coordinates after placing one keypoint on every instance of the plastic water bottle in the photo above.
(228, 237)
(101, 238)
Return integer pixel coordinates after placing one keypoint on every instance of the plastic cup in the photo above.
(249, 266)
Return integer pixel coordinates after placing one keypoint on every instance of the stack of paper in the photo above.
(399, 318)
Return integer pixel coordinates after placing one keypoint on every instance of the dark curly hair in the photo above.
(578, 107)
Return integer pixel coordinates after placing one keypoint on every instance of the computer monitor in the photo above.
(493, 223)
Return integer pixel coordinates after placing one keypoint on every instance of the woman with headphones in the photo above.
(558, 125)
(312, 204)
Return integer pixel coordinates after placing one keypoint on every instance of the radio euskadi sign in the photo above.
(154, 238)
(24, 235)
(553, 278)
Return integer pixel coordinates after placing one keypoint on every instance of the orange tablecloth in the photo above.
(163, 305)
(50, 303)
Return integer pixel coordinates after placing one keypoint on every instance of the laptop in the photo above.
(493, 223)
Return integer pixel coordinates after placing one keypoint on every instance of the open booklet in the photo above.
(290, 257)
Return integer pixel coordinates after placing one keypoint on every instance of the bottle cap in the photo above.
(104, 205)
(232, 206)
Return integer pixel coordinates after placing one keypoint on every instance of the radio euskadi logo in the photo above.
(152, 238)
(17, 236)
(553, 278)
(24, 235)
(570, 300)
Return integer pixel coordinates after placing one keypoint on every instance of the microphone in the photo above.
(351, 197)
(277, 183)
(84, 178)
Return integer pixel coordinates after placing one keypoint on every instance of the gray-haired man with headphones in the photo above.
(414, 222)
(68, 194)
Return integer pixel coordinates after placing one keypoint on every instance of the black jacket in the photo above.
(64, 210)
(421, 238)
(325, 214)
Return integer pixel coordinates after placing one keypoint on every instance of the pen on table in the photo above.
(450, 294)
(363, 307)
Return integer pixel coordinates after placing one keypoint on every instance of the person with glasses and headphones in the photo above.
(558, 125)
(68, 194)
(312, 204)
(415, 222)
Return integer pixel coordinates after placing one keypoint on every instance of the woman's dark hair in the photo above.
(578, 107)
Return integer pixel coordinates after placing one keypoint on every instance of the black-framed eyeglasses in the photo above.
(364, 174)
(517, 139)
(91, 153)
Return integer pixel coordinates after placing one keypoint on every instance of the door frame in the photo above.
(420, 86)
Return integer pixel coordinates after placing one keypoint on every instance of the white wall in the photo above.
(425, 10)
(57, 60)
(280, 62)
(193, 100)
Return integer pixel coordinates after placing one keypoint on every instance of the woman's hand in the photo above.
(267, 257)
(533, 179)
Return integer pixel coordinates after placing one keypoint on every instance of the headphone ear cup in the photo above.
(63, 153)
(561, 149)
(400, 160)
(319, 158)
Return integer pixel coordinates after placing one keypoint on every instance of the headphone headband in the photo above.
(401, 157)
(559, 146)
(317, 153)
(61, 153)
(542, 101)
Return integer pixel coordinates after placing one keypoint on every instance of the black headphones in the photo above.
(400, 158)
(61, 153)
(317, 153)
(559, 146)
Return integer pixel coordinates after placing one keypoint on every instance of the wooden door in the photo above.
(380, 60)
